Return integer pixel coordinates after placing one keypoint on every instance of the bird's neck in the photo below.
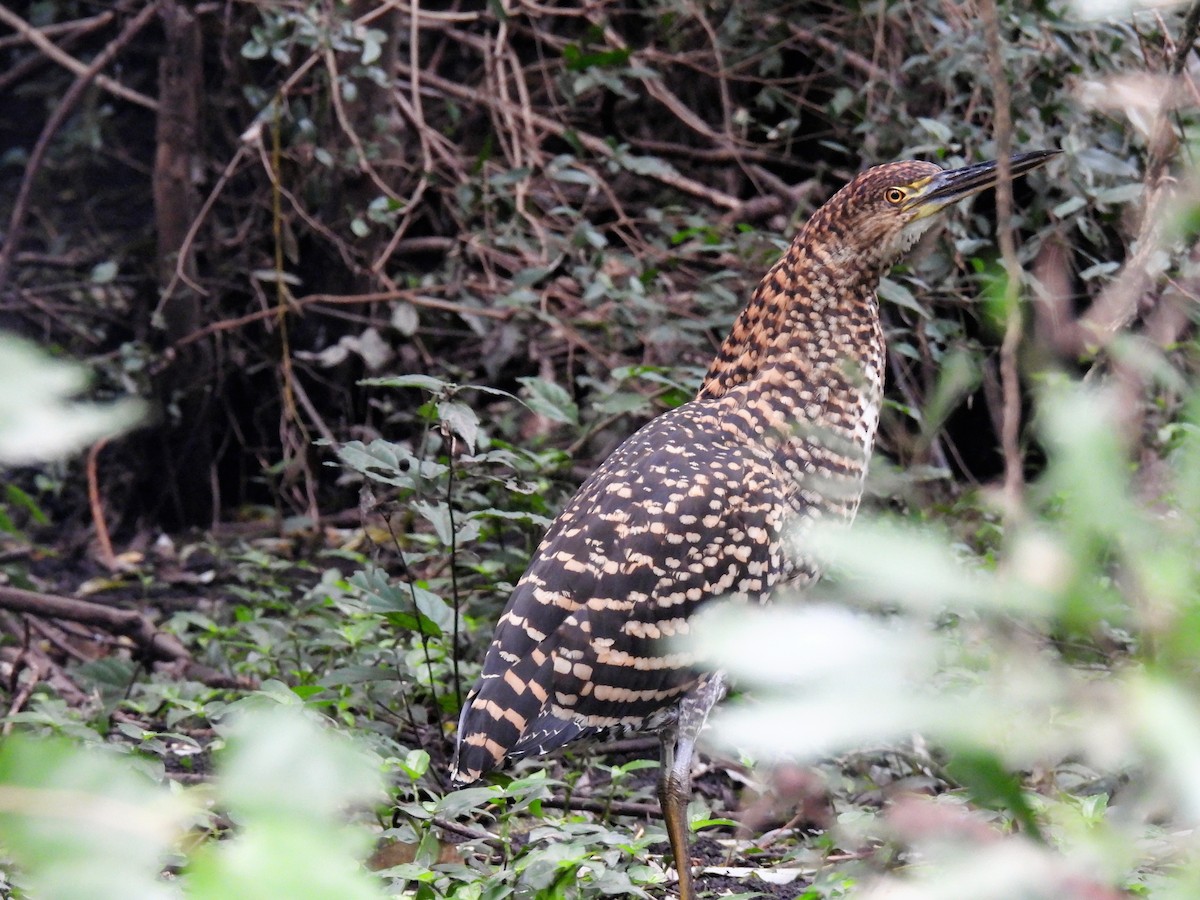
(802, 370)
(815, 312)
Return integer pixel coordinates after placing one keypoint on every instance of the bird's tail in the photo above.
(497, 713)
(508, 717)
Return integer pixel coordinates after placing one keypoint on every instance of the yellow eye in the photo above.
(894, 196)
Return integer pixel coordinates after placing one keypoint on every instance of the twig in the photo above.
(415, 296)
(594, 144)
(362, 158)
(69, 29)
(1187, 40)
(472, 834)
(107, 557)
(620, 807)
(1010, 380)
(155, 644)
(16, 222)
(453, 563)
(416, 113)
(36, 37)
(837, 51)
(185, 249)
(29, 656)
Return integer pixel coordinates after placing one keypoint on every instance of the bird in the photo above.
(710, 500)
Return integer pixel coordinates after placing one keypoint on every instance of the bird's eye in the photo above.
(894, 196)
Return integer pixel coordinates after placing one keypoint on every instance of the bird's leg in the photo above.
(675, 774)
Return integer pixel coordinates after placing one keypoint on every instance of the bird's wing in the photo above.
(681, 514)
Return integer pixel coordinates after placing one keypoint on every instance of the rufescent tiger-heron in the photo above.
(705, 501)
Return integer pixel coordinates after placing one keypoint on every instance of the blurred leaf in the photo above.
(84, 823)
(422, 382)
(992, 786)
(579, 59)
(105, 272)
(38, 419)
(834, 679)
(279, 763)
(891, 564)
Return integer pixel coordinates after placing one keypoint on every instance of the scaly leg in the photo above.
(675, 774)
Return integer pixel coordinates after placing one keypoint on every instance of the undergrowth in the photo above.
(467, 253)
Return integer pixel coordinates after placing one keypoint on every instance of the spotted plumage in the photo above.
(710, 500)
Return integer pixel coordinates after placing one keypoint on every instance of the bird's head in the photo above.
(883, 211)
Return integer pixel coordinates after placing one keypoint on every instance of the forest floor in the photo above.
(219, 617)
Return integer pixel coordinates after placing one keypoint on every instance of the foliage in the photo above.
(92, 822)
(528, 225)
(631, 169)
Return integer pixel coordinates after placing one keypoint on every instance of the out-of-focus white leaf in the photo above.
(38, 420)
(833, 679)
(826, 680)
(279, 760)
(86, 823)
(1169, 723)
(375, 352)
(1117, 9)
(893, 565)
(793, 645)
(1001, 871)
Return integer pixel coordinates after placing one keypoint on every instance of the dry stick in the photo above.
(416, 114)
(1119, 302)
(596, 145)
(415, 296)
(453, 560)
(185, 248)
(837, 51)
(52, 52)
(16, 222)
(362, 158)
(157, 645)
(70, 29)
(1187, 39)
(290, 420)
(252, 136)
(727, 104)
(303, 399)
(21, 70)
(620, 807)
(31, 655)
(1010, 380)
(658, 90)
(107, 558)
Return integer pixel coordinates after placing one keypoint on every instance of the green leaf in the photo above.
(461, 420)
(422, 382)
(894, 292)
(415, 764)
(20, 499)
(577, 59)
(992, 786)
(550, 400)
(940, 132)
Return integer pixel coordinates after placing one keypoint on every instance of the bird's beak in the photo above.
(949, 187)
